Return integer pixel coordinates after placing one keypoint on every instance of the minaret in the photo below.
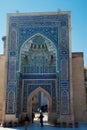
(4, 40)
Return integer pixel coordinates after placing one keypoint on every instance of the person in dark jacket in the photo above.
(41, 118)
(33, 116)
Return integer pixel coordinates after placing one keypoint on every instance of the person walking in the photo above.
(41, 118)
(33, 116)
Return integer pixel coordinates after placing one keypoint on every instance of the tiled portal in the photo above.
(39, 61)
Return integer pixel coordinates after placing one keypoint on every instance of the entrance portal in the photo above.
(36, 104)
(38, 60)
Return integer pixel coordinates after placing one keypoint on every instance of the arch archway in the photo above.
(29, 104)
(38, 45)
(38, 59)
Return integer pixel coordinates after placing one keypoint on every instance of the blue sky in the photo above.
(78, 10)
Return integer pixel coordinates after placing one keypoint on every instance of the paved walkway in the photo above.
(46, 127)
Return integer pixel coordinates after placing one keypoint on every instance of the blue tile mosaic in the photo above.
(38, 54)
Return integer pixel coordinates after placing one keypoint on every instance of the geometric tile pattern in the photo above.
(38, 44)
(31, 85)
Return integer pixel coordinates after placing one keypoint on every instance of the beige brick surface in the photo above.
(79, 93)
(2, 83)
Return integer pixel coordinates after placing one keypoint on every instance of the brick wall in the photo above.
(79, 93)
(2, 83)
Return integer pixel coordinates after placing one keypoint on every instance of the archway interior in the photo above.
(38, 55)
(40, 103)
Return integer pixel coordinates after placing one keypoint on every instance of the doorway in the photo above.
(39, 101)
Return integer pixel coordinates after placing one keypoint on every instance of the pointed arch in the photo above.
(37, 39)
(29, 104)
(37, 34)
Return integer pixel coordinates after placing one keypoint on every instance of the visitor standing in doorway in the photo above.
(41, 118)
(33, 116)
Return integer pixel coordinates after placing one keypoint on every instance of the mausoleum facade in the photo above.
(38, 58)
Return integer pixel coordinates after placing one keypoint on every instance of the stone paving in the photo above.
(46, 127)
